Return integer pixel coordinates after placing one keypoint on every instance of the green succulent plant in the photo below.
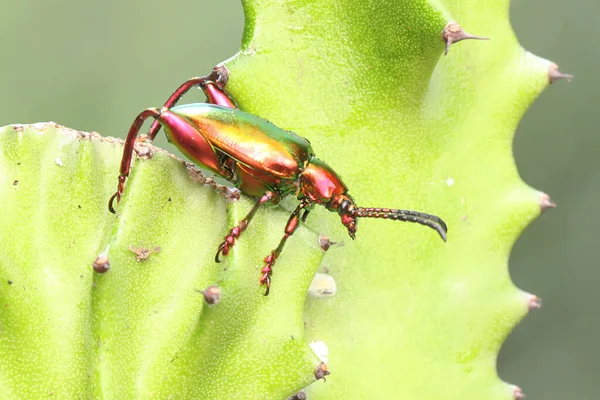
(96, 305)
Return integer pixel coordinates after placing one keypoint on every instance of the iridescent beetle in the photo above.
(259, 158)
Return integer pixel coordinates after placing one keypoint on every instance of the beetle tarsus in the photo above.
(237, 230)
(229, 241)
(224, 247)
(267, 271)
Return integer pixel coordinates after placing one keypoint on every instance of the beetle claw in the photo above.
(220, 251)
(110, 202)
(267, 283)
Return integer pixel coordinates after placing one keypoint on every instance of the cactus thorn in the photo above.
(325, 243)
(101, 264)
(534, 302)
(321, 371)
(518, 393)
(301, 395)
(546, 202)
(453, 33)
(554, 74)
(212, 294)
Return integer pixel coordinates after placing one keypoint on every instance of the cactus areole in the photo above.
(261, 159)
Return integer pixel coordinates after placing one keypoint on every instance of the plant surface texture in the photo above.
(97, 305)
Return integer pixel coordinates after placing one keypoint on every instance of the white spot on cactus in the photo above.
(322, 285)
(450, 181)
(58, 162)
(321, 350)
(41, 126)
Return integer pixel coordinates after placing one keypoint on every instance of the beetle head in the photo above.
(345, 207)
(320, 184)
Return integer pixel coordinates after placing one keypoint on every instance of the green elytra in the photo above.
(251, 141)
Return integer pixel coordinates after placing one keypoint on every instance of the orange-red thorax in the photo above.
(319, 183)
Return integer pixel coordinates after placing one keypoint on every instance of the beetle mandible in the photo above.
(259, 158)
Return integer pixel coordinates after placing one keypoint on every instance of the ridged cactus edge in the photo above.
(101, 306)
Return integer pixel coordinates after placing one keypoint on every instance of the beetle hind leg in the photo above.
(180, 131)
(128, 153)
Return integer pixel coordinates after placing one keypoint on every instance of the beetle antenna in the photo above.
(429, 220)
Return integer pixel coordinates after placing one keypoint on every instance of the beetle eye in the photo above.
(344, 207)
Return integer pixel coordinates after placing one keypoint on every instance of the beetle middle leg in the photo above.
(237, 230)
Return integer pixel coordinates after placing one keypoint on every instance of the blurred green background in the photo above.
(94, 65)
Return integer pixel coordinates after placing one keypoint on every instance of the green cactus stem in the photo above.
(134, 306)
(368, 84)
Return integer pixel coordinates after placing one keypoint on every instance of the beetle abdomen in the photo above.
(250, 140)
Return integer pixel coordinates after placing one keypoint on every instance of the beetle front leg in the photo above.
(290, 228)
(212, 85)
(237, 230)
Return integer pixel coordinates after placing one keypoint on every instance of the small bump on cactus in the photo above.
(101, 264)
